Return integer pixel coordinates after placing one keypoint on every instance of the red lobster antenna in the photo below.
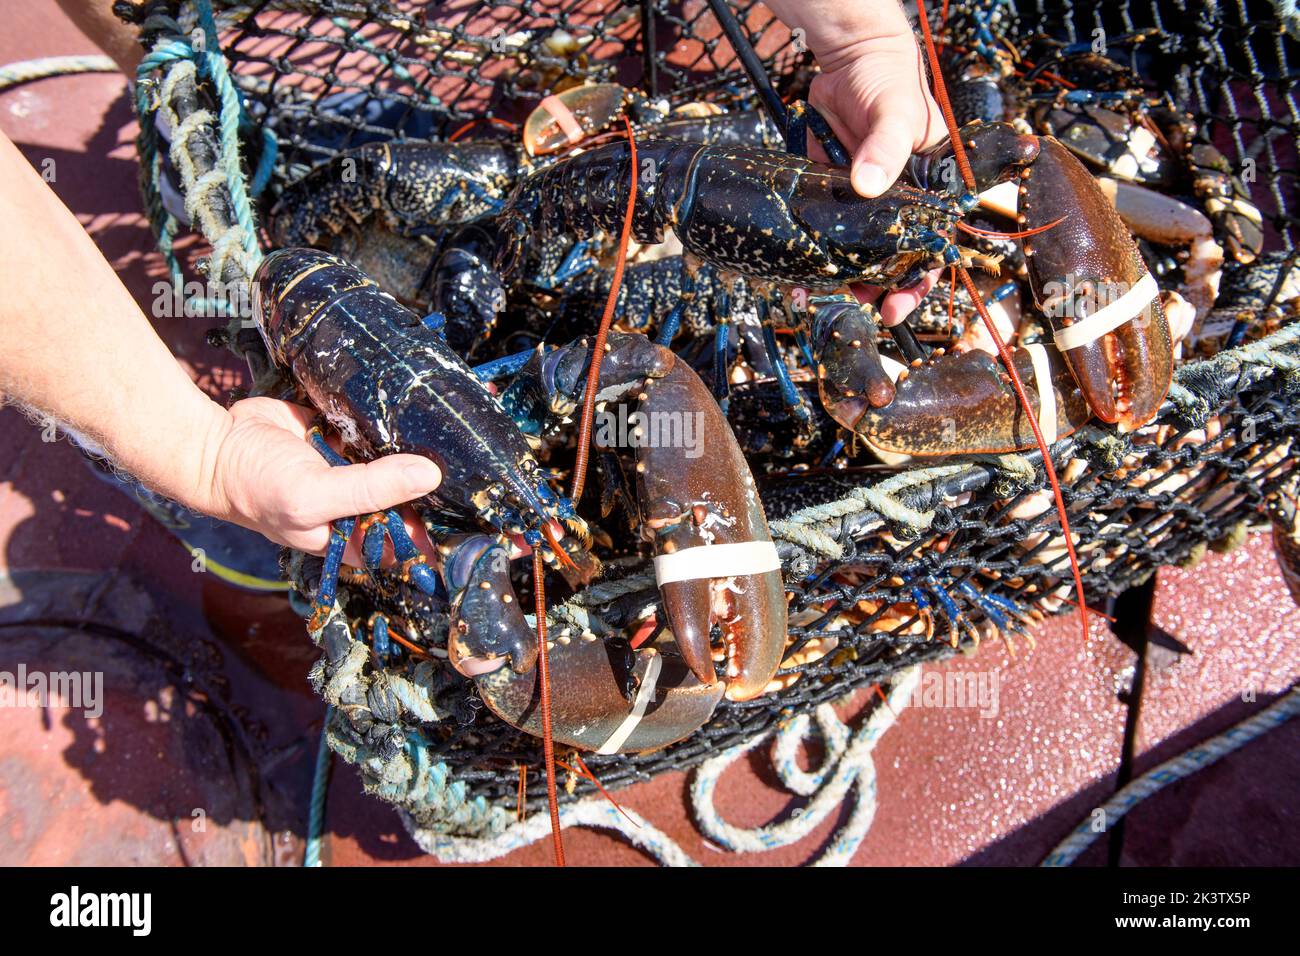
(968, 177)
(544, 671)
(579, 480)
(598, 353)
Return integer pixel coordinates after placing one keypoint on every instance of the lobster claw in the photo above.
(1081, 261)
(591, 707)
(715, 560)
(964, 401)
(850, 373)
(1085, 264)
(487, 626)
(564, 119)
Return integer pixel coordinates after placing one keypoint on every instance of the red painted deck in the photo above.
(205, 748)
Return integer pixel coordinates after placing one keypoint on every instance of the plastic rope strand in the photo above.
(1171, 771)
(852, 769)
(26, 71)
(810, 528)
(320, 785)
(231, 108)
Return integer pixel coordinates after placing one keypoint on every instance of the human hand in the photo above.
(872, 90)
(266, 476)
(874, 95)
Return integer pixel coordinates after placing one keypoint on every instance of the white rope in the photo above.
(25, 71)
(853, 770)
(847, 766)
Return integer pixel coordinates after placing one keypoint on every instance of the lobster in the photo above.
(417, 215)
(789, 222)
(387, 382)
(419, 189)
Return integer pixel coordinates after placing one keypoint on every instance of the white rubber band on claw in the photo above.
(1046, 393)
(644, 695)
(1108, 318)
(717, 561)
(559, 111)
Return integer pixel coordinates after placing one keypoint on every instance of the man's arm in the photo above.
(75, 345)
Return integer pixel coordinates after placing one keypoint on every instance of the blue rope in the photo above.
(214, 65)
(163, 222)
(320, 785)
(232, 118)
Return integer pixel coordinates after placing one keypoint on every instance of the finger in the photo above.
(364, 488)
(414, 528)
(898, 305)
(880, 158)
(815, 151)
(842, 132)
(866, 294)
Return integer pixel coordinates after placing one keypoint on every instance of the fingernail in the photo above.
(869, 180)
(424, 474)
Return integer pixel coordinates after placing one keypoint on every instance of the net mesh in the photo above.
(882, 583)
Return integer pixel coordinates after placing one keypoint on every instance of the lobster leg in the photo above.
(803, 119)
(673, 321)
(722, 355)
(790, 395)
(327, 590)
(412, 562)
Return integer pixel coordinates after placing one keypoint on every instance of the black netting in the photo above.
(330, 75)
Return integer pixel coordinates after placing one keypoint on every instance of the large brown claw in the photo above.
(588, 706)
(965, 403)
(696, 493)
(604, 696)
(1080, 265)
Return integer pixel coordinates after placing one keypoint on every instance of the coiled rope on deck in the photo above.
(847, 767)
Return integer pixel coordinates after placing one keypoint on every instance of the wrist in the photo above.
(192, 476)
(841, 49)
(833, 29)
(216, 424)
